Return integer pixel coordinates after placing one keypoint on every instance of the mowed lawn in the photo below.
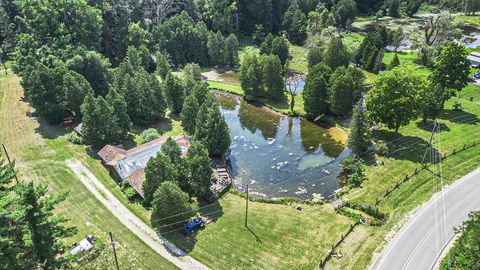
(40, 156)
(287, 238)
(458, 128)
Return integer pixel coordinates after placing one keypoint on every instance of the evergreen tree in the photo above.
(314, 56)
(120, 112)
(344, 12)
(172, 150)
(158, 170)
(336, 54)
(280, 48)
(295, 23)
(266, 47)
(231, 51)
(98, 128)
(315, 93)
(189, 114)
(251, 76)
(359, 136)
(341, 93)
(393, 8)
(218, 133)
(216, 48)
(200, 171)
(76, 88)
(175, 93)
(163, 67)
(221, 14)
(171, 204)
(274, 83)
(95, 68)
(394, 63)
(379, 66)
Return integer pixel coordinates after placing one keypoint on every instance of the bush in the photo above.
(149, 135)
(353, 171)
(128, 190)
(381, 149)
(74, 138)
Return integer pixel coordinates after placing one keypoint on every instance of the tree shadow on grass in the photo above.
(459, 117)
(171, 229)
(401, 147)
(49, 131)
(429, 126)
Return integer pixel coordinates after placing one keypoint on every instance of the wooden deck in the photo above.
(221, 176)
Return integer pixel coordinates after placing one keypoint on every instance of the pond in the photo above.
(280, 156)
(471, 36)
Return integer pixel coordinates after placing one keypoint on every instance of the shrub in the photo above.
(381, 148)
(74, 138)
(353, 170)
(149, 135)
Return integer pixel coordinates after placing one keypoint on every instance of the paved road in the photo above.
(421, 241)
(131, 221)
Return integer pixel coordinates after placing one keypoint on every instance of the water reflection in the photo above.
(280, 156)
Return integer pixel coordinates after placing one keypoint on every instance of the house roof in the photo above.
(78, 129)
(131, 163)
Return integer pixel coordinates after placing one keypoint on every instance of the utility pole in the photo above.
(246, 209)
(9, 161)
(114, 243)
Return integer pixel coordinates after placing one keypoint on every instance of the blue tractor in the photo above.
(193, 225)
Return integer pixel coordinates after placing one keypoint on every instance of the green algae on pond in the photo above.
(280, 156)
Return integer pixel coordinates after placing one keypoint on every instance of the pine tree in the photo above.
(274, 83)
(295, 23)
(216, 48)
(175, 93)
(336, 54)
(120, 112)
(280, 48)
(98, 128)
(231, 51)
(359, 136)
(218, 133)
(315, 93)
(163, 67)
(341, 94)
(379, 66)
(395, 62)
(158, 170)
(171, 204)
(76, 88)
(199, 170)
(189, 114)
(172, 150)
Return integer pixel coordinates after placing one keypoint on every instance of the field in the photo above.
(40, 152)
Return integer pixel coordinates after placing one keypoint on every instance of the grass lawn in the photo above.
(458, 128)
(40, 153)
(472, 20)
(298, 61)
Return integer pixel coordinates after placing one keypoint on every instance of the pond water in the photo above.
(471, 36)
(280, 156)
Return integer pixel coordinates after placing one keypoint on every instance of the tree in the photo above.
(172, 150)
(336, 54)
(32, 235)
(95, 68)
(432, 102)
(353, 171)
(315, 92)
(220, 13)
(395, 98)
(159, 169)
(175, 93)
(99, 125)
(171, 203)
(378, 64)
(451, 69)
(344, 12)
(413, 7)
(396, 38)
(251, 77)
(394, 63)
(266, 47)
(280, 48)
(216, 48)
(393, 8)
(274, 84)
(44, 88)
(120, 113)
(341, 93)
(76, 88)
(231, 51)
(295, 23)
(163, 67)
(199, 170)
(359, 136)
(137, 36)
(314, 56)
(212, 130)
(189, 114)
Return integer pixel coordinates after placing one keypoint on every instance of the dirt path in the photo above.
(131, 221)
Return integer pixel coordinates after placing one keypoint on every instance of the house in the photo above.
(474, 59)
(130, 164)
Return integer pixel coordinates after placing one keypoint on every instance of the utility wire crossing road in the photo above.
(130, 220)
(421, 241)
